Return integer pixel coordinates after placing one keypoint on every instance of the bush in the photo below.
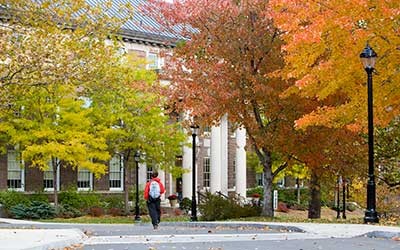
(39, 196)
(36, 210)
(12, 198)
(219, 208)
(115, 211)
(77, 200)
(70, 198)
(96, 211)
(142, 201)
(185, 204)
(90, 200)
(66, 211)
(113, 202)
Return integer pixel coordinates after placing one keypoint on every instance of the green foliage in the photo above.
(35, 210)
(79, 200)
(12, 198)
(66, 211)
(142, 201)
(70, 198)
(186, 204)
(39, 196)
(113, 201)
(256, 190)
(215, 207)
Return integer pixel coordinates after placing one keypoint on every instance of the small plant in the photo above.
(35, 210)
(172, 197)
(66, 211)
(115, 211)
(12, 198)
(256, 195)
(96, 211)
(185, 204)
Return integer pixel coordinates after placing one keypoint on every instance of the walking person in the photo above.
(152, 192)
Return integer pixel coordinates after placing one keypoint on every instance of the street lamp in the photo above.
(137, 159)
(195, 130)
(368, 58)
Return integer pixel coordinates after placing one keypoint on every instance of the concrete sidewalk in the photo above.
(27, 235)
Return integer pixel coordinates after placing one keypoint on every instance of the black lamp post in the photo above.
(137, 159)
(368, 58)
(195, 129)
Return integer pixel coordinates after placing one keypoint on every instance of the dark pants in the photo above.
(154, 210)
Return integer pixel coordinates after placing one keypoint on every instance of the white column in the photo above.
(240, 178)
(215, 175)
(142, 174)
(187, 176)
(224, 154)
(161, 175)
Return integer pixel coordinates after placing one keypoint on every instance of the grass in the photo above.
(113, 219)
(327, 216)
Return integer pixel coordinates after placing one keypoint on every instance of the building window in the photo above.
(149, 172)
(15, 172)
(206, 172)
(116, 173)
(260, 179)
(48, 178)
(85, 179)
(152, 59)
(207, 131)
(281, 183)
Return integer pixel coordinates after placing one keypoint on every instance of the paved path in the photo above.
(29, 235)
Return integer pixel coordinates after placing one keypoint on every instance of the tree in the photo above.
(225, 66)
(130, 106)
(387, 154)
(49, 51)
(64, 86)
(323, 41)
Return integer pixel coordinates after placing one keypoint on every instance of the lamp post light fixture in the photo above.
(137, 159)
(195, 130)
(368, 58)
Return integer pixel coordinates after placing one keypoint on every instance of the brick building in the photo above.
(220, 153)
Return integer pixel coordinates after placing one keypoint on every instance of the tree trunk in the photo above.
(268, 208)
(298, 190)
(126, 182)
(314, 208)
(55, 182)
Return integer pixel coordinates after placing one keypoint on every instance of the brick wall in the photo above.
(68, 177)
(3, 172)
(33, 179)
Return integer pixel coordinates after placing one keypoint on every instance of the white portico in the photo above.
(218, 161)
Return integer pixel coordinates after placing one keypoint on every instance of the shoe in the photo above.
(155, 227)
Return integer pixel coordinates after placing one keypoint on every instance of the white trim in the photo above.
(22, 173)
(58, 180)
(122, 171)
(90, 188)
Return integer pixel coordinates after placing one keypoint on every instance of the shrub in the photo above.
(185, 204)
(66, 211)
(70, 198)
(115, 211)
(113, 202)
(78, 200)
(282, 207)
(96, 211)
(36, 210)
(90, 200)
(39, 196)
(219, 208)
(12, 198)
(142, 201)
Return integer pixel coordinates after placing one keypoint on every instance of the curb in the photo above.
(235, 225)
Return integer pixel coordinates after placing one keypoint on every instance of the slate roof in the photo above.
(142, 28)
